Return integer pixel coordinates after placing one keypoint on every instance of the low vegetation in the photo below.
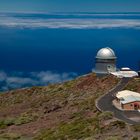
(79, 128)
(136, 128)
(62, 111)
(134, 85)
(22, 119)
(9, 136)
(105, 116)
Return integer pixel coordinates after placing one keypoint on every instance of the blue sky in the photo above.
(70, 5)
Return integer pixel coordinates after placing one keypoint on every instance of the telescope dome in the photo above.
(106, 53)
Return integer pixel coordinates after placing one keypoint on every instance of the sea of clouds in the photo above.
(69, 23)
(15, 80)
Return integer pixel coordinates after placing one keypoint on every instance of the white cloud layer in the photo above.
(70, 23)
(16, 80)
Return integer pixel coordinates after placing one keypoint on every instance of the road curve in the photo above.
(105, 104)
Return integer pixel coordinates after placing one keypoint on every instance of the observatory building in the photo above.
(105, 61)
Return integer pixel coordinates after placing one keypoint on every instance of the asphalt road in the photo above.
(105, 104)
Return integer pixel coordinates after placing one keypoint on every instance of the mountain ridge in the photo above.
(63, 111)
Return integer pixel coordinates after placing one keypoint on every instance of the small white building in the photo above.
(128, 100)
(125, 72)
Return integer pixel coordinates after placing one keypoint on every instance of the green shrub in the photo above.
(135, 138)
(26, 118)
(6, 122)
(69, 84)
(119, 124)
(105, 115)
(87, 104)
(22, 119)
(136, 128)
(9, 136)
(9, 121)
(78, 129)
(2, 124)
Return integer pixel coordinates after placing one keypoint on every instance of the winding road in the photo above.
(104, 103)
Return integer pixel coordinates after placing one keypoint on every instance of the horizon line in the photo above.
(83, 12)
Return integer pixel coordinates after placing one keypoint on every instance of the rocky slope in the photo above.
(63, 112)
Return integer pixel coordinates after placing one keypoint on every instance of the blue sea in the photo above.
(42, 48)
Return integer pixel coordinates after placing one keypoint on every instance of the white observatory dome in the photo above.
(106, 53)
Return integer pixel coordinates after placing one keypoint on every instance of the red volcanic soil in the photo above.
(37, 108)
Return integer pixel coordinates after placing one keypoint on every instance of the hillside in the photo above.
(63, 111)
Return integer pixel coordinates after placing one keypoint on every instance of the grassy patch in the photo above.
(78, 129)
(69, 84)
(22, 119)
(10, 136)
(6, 122)
(133, 85)
(105, 116)
(87, 104)
(26, 118)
